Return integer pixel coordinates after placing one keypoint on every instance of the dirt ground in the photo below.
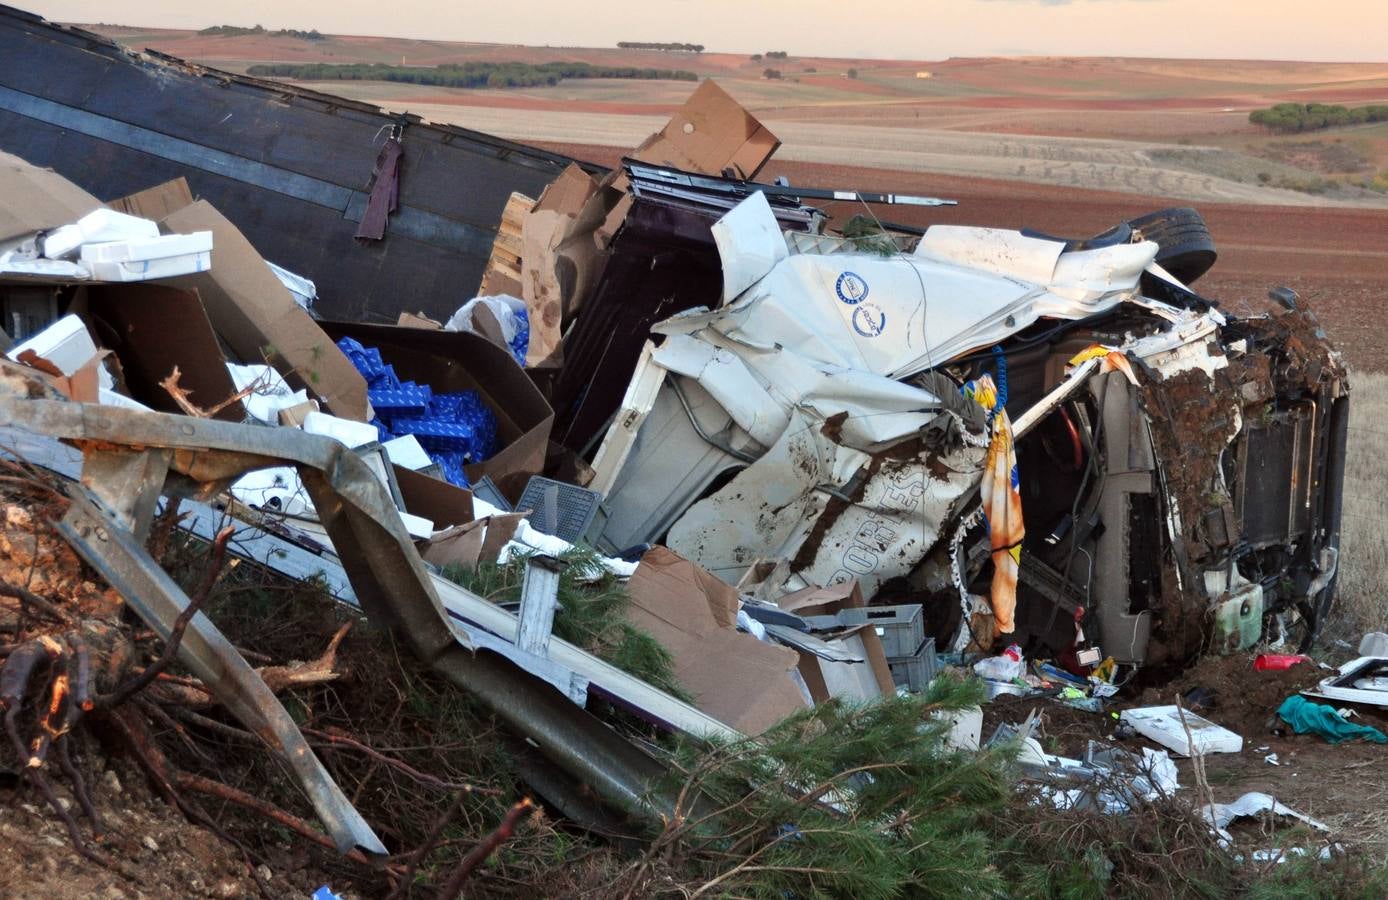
(164, 854)
(1345, 786)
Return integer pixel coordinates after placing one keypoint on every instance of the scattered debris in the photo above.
(1253, 803)
(1363, 680)
(692, 488)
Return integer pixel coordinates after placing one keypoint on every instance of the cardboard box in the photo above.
(152, 329)
(34, 199)
(712, 132)
(828, 601)
(256, 315)
(747, 683)
(451, 361)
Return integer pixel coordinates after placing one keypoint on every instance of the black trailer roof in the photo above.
(289, 166)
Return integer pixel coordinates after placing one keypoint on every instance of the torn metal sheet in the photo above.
(836, 512)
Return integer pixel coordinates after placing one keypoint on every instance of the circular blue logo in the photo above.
(851, 288)
(869, 321)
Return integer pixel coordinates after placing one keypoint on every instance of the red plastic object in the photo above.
(1276, 662)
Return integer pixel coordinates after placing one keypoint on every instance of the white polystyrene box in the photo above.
(1163, 724)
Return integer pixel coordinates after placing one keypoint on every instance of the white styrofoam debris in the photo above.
(353, 434)
(1163, 724)
(99, 225)
(274, 490)
(144, 259)
(304, 291)
(271, 392)
(407, 453)
(418, 526)
(66, 344)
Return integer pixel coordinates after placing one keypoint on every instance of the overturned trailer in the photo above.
(784, 405)
(1170, 482)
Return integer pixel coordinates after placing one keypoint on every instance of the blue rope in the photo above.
(1002, 375)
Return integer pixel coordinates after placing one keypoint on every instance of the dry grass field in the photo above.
(1172, 128)
(1363, 603)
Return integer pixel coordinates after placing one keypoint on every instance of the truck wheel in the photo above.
(1187, 248)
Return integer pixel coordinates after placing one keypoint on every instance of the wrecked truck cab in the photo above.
(840, 413)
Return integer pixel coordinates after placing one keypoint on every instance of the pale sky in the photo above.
(1348, 30)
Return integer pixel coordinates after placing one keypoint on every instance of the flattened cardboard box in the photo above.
(34, 199)
(747, 683)
(450, 361)
(258, 318)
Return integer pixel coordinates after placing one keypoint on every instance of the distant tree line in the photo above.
(1290, 117)
(655, 45)
(466, 75)
(236, 31)
(776, 54)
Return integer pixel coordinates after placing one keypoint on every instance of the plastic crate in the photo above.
(900, 628)
(914, 672)
(563, 510)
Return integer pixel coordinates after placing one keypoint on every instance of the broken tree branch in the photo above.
(180, 395)
(199, 785)
(478, 855)
(430, 842)
(28, 598)
(338, 740)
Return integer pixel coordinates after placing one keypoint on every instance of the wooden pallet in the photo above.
(503, 272)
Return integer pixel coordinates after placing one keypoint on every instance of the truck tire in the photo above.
(1187, 248)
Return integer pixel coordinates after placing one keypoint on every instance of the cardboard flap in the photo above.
(826, 601)
(34, 199)
(417, 320)
(500, 529)
(580, 256)
(712, 132)
(442, 503)
(83, 386)
(157, 202)
(458, 546)
(734, 677)
(256, 315)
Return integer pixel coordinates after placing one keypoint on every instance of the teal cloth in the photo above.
(1305, 717)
